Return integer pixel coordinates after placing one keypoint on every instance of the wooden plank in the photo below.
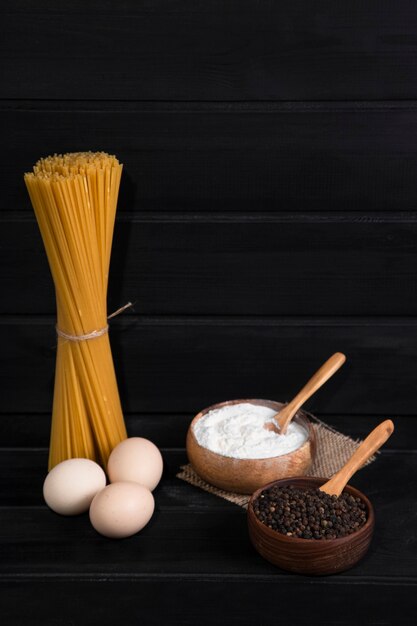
(185, 538)
(238, 50)
(316, 266)
(22, 472)
(251, 158)
(174, 365)
(168, 430)
(206, 601)
(196, 548)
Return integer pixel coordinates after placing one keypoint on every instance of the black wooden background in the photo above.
(267, 218)
(267, 211)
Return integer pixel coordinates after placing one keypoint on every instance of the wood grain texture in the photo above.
(196, 547)
(234, 50)
(24, 430)
(251, 158)
(179, 601)
(186, 364)
(131, 78)
(193, 535)
(310, 265)
(23, 471)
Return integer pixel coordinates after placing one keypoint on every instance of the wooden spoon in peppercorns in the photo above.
(326, 371)
(368, 447)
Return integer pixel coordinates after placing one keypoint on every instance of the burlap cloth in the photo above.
(333, 450)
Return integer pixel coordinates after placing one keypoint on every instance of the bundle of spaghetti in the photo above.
(74, 197)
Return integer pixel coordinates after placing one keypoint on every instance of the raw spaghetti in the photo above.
(74, 197)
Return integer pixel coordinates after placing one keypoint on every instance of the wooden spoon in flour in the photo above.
(326, 371)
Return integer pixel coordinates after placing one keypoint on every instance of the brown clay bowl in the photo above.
(246, 475)
(310, 556)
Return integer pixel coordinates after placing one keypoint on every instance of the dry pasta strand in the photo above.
(74, 197)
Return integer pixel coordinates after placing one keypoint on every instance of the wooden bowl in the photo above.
(246, 475)
(310, 556)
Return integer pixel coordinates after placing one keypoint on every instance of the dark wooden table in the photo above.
(194, 564)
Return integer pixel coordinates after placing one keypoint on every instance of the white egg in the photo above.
(70, 486)
(137, 460)
(121, 509)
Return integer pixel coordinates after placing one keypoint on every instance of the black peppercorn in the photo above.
(309, 513)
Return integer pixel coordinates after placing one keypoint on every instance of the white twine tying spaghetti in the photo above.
(94, 333)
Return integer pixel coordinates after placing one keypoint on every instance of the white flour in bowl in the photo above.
(237, 431)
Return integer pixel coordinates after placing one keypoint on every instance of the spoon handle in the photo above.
(323, 374)
(371, 444)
